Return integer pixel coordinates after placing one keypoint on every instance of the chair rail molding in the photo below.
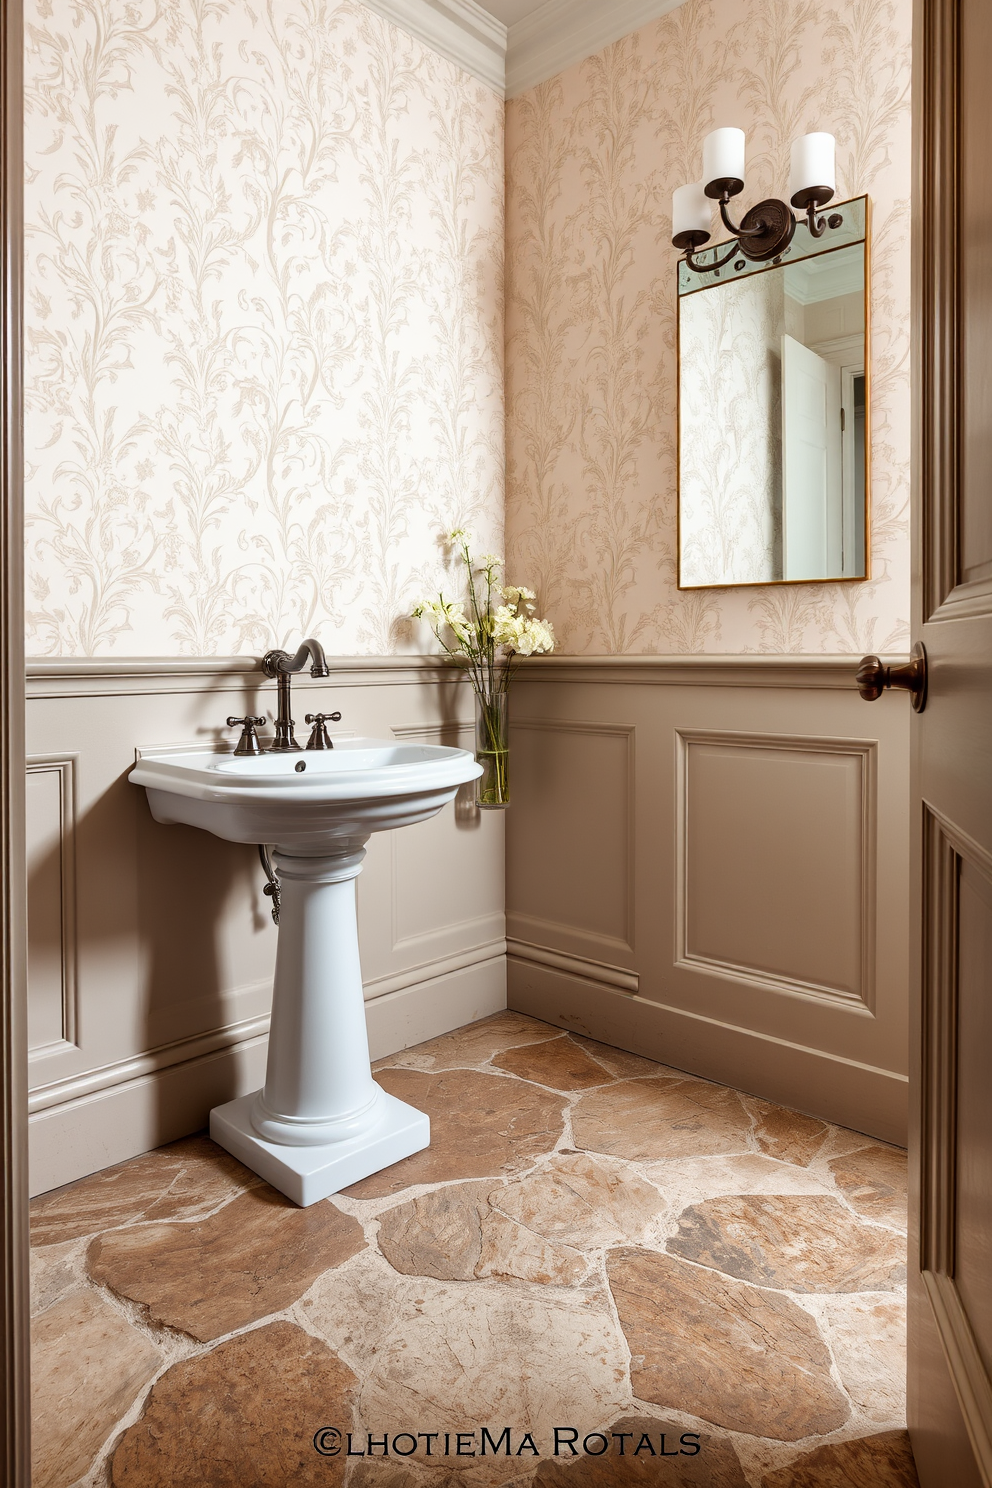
(751, 669)
(107, 676)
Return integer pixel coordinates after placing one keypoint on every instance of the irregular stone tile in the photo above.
(556, 1062)
(184, 1180)
(452, 1234)
(473, 1045)
(714, 1465)
(244, 1414)
(797, 1243)
(87, 1367)
(883, 1461)
(52, 1275)
(478, 1355)
(749, 1360)
(874, 1181)
(622, 1063)
(511, 1249)
(379, 1474)
(355, 1309)
(689, 1180)
(581, 1201)
(254, 1257)
(645, 1119)
(481, 1125)
(437, 1234)
(867, 1336)
(789, 1136)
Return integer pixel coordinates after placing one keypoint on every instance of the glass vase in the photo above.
(492, 750)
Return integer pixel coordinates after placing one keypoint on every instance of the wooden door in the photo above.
(950, 1344)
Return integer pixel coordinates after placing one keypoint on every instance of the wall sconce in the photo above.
(766, 230)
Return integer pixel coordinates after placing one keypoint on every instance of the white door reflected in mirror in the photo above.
(773, 398)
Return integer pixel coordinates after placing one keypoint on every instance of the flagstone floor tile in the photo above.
(883, 1461)
(593, 1242)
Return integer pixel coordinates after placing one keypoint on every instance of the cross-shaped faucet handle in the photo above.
(319, 737)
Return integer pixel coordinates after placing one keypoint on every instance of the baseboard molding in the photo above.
(413, 1014)
(858, 1096)
(82, 1136)
(141, 1111)
(600, 973)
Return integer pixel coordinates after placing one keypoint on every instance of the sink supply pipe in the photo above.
(272, 888)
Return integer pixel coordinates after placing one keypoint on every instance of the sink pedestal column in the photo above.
(320, 1122)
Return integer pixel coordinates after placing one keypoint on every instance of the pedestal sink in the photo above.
(320, 1122)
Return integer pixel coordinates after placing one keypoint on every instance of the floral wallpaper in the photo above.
(593, 156)
(263, 324)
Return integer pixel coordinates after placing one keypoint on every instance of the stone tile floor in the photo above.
(592, 1242)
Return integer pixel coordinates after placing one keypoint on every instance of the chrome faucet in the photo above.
(281, 665)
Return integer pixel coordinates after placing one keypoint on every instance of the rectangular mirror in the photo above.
(774, 393)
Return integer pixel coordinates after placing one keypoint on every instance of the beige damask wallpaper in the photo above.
(264, 324)
(593, 156)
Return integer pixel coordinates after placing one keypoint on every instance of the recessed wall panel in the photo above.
(571, 782)
(448, 871)
(775, 879)
(51, 891)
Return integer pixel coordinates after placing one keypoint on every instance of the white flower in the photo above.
(536, 636)
(490, 633)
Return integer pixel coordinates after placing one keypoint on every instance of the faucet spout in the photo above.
(277, 663)
(282, 666)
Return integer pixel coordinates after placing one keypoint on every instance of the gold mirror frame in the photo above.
(715, 249)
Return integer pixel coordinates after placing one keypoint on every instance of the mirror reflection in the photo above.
(773, 400)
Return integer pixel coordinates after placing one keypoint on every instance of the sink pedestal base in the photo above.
(306, 1174)
(320, 1122)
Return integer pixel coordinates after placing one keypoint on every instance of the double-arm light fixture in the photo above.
(766, 230)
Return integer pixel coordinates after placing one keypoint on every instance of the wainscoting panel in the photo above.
(749, 809)
(51, 866)
(571, 789)
(765, 827)
(153, 946)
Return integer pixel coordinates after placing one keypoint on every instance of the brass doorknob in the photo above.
(874, 677)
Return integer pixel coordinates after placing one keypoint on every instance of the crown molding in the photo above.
(459, 29)
(563, 32)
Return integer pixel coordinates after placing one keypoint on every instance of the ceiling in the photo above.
(512, 11)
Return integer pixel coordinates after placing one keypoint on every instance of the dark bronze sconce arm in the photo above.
(764, 232)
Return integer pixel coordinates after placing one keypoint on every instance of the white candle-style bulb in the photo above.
(723, 156)
(692, 210)
(813, 164)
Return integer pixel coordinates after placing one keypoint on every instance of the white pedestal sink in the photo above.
(320, 1122)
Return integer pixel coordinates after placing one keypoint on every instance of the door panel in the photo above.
(973, 1114)
(950, 1345)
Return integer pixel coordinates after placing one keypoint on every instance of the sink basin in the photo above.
(320, 1122)
(358, 787)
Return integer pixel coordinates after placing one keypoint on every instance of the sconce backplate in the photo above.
(779, 225)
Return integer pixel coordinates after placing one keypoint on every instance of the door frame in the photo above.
(15, 1425)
